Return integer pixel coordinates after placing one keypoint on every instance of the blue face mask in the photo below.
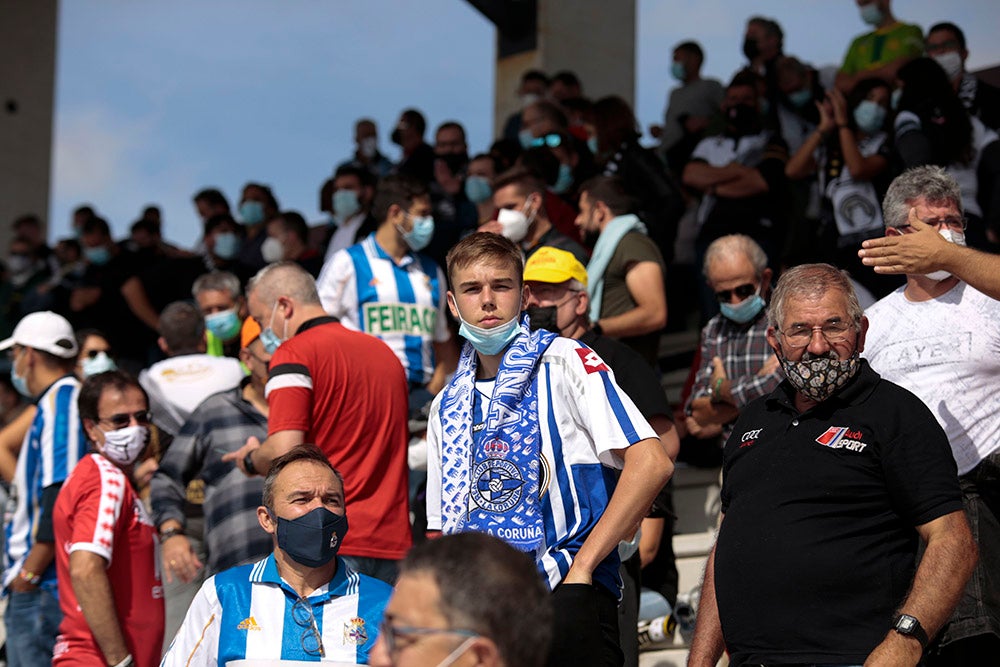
(224, 325)
(477, 189)
(871, 14)
(98, 256)
(345, 203)
(420, 235)
(525, 137)
(19, 382)
(252, 212)
(565, 179)
(227, 245)
(677, 70)
(744, 311)
(800, 98)
(489, 342)
(268, 338)
(869, 116)
(894, 100)
(312, 539)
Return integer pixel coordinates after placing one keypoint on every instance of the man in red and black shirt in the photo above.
(346, 392)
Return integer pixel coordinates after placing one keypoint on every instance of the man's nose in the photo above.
(818, 344)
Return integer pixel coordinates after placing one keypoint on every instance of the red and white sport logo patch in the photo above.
(591, 360)
(842, 437)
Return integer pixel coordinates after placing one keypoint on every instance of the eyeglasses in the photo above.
(951, 222)
(123, 419)
(801, 336)
(550, 140)
(310, 639)
(392, 633)
(742, 292)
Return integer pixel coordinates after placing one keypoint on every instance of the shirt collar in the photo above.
(853, 393)
(315, 322)
(266, 572)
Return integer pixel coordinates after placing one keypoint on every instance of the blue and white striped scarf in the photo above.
(490, 481)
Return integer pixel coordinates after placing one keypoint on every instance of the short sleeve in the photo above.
(289, 391)
(335, 283)
(99, 501)
(197, 641)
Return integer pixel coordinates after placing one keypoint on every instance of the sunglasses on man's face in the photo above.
(123, 419)
(742, 292)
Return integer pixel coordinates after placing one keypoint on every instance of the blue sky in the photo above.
(158, 99)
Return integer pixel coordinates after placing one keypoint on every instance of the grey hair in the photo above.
(931, 182)
(283, 279)
(217, 281)
(575, 285)
(812, 281)
(733, 244)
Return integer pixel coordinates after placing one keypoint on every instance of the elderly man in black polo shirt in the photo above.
(830, 483)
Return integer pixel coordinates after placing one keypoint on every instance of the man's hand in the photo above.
(492, 226)
(179, 559)
(770, 366)
(578, 575)
(917, 253)
(240, 454)
(19, 585)
(895, 651)
(702, 432)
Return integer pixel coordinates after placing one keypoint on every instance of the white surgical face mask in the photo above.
(950, 62)
(958, 238)
(514, 224)
(272, 250)
(123, 446)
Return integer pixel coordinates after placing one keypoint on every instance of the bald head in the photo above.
(286, 279)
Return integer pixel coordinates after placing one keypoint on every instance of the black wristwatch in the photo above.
(248, 463)
(909, 626)
(170, 532)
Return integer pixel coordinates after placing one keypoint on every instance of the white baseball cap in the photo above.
(45, 331)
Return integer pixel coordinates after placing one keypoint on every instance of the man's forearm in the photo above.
(708, 644)
(702, 176)
(276, 445)
(647, 468)
(944, 569)
(748, 183)
(39, 557)
(635, 322)
(93, 593)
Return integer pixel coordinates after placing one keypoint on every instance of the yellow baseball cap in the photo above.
(552, 265)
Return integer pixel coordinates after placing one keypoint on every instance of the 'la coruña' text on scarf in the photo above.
(491, 479)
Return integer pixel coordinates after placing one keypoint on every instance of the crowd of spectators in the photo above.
(792, 158)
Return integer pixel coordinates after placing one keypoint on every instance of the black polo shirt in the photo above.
(818, 546)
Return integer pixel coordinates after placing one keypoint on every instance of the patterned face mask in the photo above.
(819, 377)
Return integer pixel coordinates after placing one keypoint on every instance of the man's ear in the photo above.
(772, 340)
(90, 428)
(265, 520)
(486, 653)
(892, 231)
(583, 304)
(450, 297)
(162, 342)
(860, 346)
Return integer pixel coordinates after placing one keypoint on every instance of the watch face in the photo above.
(906, 624)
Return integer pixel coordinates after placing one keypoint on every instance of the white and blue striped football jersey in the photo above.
(403, 304)
(249, 612)
(583, 417)
(51, 449)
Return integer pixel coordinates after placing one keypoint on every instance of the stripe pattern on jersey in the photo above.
(54, 444)
(399, 303)
(284, 376)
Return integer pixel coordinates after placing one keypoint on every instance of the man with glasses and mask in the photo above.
(830, 483)
(938, 337)
(737, 364)
(437, 615)
(109, 575)
(301, 603)
(43, 352)
(521, 444)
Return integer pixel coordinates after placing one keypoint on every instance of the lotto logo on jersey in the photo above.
(842, 437)
(591, 360)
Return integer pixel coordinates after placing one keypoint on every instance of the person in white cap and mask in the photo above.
(42, 354)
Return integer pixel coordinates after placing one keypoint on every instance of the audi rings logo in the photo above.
(750, 437)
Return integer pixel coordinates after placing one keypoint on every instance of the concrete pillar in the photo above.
(27, 91)
(593, 38)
